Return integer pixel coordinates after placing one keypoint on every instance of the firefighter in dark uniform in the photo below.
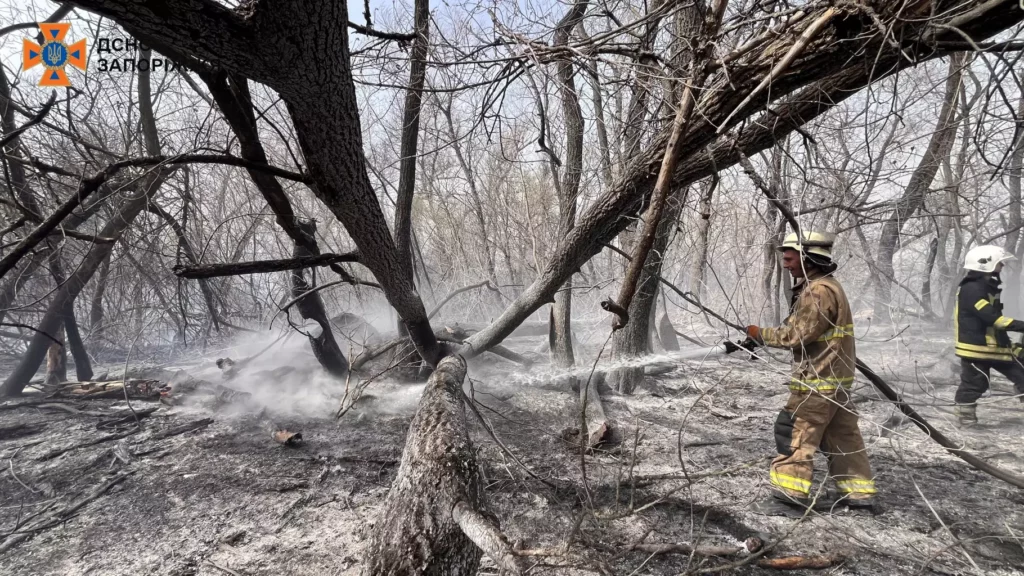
(981, 340)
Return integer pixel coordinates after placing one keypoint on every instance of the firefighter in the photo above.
(820, 412)
(981, 340)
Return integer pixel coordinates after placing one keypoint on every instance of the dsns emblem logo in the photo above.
(54, 54)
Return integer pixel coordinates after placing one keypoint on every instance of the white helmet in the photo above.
(819, 243)
(986, 258)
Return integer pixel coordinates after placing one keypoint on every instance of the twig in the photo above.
(10, 462)
(110, 437)
(456, 293)
(31, 121)
(196, 425)
(62, 515)
(490, 431)
(222, 568)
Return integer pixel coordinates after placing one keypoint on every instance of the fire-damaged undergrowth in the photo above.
(203, 488)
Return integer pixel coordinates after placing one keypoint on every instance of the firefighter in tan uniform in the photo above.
(820, 413)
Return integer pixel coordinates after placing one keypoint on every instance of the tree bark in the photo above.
(311, 307)
(231, 93)
(411, 134)
(634, 339)
(416, 532)
(700, 68)
(73, 340)
(561, 312)
(926, 283)
(319, 93)
(56, 360)
(939, 146)
(83, 365)
(703, 240)
(96, 305)
(1014, 245)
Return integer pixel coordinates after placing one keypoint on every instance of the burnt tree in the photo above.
(560, 338)
(311, 307)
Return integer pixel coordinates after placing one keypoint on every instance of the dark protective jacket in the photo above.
(979, 322)
(819, 331)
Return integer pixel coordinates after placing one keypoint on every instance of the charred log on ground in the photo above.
(431, 517)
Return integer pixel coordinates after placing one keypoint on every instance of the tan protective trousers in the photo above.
(827, 420)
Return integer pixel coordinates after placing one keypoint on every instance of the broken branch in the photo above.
(261, 266)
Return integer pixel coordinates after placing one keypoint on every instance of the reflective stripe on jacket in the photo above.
(819, 331)
(979, 322)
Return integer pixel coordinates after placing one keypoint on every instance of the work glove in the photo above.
(749, 345)
(754, 333)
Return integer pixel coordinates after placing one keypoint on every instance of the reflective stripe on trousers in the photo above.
(820, 384)
(790, 482)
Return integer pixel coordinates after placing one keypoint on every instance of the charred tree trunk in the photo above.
(56, 360)
(703, 240)
(561, 312)
(436, 497)
(636, 114)
(699, 71)
(96, 305)
(634, 339)
(926, 284)
(939, 146)
(410, 136)
(325, 113)
(83, 366)
(14, 284)
(311, 307)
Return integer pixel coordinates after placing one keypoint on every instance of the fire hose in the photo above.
(894, 397)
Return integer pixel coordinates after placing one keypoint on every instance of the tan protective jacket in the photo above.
(819, 330)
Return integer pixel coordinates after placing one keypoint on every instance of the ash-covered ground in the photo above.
(226, 499)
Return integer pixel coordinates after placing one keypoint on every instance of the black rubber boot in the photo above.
(966, 414)
(781, 504)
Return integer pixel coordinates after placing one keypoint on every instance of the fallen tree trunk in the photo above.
(136, 389)
(436, 497)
